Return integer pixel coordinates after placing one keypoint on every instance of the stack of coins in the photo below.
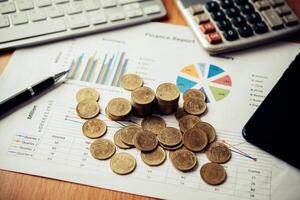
(167, 95)
(143, 101)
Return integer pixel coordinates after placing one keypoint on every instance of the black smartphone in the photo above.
(275, 125)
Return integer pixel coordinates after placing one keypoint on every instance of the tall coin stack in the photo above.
(143, 101)
(167, 95)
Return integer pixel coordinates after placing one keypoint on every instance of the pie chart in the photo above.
(212, 80)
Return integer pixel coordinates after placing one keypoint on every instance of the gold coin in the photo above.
(180, 113)
(87, 109)
(167, 92)
(171, 153)
(213, 173)
(194, 106)
(118, 108)
(94, 128)
(155, 157)
(173, 148)
(142, 96)
(87, 93)
(154, 124)
(145, 140)
(118, 141)
(102, 149)
(208, 129)
(194, 93)
(195, 139)
(128, 133)
(131, 82)
(218, 153)
(184, 160)
(122, 163)
(169, 136)
(187, 122)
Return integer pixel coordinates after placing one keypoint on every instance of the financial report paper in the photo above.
(45, 138)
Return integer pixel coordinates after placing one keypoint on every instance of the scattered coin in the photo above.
(102, 149)
(169, 136)
(94, 128)
(155, 157)
(87, 93)
(154, 124)
(173, 148)
(131, 82)
(195, 139)
(194, 106)
(194, 93)
(218, 153)
(88, 109)
(187, 122)
(145, 140)
(180, 113)
(118, 141)
(128, 133)
(171, 153)
(213, 173)
(167, 92)
(122, 163)
(208, 129)
(118, 108)
(184, 160)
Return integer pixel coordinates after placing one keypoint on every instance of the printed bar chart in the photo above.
(106, 70)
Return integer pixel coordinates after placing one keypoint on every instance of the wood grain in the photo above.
(14, 186)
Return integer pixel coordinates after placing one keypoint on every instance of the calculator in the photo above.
(227, 25)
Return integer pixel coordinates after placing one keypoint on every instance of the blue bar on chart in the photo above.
(107, 70)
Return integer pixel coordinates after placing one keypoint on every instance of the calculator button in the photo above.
(253, 17)
(245, 31)
(275, 3)
(196, 9)
(238, 21)
(274, 21)
(202, 18)
(232, 11)
(212, 6)
(214, 38)
(207, 27)
(260, 27)
(246, 8)
(218, 15)
(283, 10)
(224, 24)
(262, 5)
(226, 3)
(230, 34)
(241, 2)
(290, 20)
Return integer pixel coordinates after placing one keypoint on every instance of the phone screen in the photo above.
(275, 126)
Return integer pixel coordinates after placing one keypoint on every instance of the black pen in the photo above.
(26, 94)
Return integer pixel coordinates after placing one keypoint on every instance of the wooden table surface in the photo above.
(26, 187)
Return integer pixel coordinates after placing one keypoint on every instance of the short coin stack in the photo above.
(153, 137)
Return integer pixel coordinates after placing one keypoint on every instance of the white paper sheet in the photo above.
(44, 137)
